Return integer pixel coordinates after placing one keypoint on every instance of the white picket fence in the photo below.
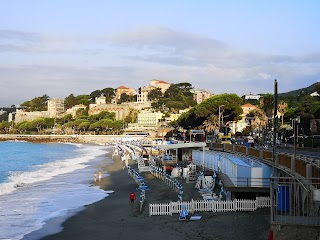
(209, 206)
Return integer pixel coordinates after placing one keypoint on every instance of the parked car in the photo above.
(238, 141)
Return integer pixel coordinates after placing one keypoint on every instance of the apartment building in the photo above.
(55, 107)
(200, 95)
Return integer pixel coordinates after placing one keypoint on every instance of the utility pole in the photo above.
(219, 116)
(275, 124)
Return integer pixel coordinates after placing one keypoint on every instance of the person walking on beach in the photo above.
(100, 176)
(95, 176)
(132, 198)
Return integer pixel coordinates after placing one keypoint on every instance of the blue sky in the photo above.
(59, 47)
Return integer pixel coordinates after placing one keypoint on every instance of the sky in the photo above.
(63, 47)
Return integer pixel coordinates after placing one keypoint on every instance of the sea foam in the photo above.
(29, 199)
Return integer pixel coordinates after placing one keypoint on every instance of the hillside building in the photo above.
(122, 89)
(243, 123)
(74, 109)
(142, 96)
(252, 97)
(55, 107)
(200, 95)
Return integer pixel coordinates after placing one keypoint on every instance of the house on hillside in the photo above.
(142, 96)
(243, 123)
(122, 89)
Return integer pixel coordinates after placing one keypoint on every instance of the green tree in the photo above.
(38, 123)
(109, 93)
(102, 115)
(70, 101)
(178, 97)
(37, 104)
(94, 94)
(155, 94)
(5, 126)
(84, 125)
(25, 126)
(198, 114)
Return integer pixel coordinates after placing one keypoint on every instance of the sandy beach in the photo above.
(114, 217)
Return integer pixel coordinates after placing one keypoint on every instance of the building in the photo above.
(122, 89)
(147, 121)
(22, 116)
(160, 84)
(120, 110)
(74, 109)
(142, 96)
(100, 100)
(252, 97)
(200, 95)
(314, 94)
(55, 107)
(143, 93)
(243, 123)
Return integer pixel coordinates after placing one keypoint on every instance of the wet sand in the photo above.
(114, 217)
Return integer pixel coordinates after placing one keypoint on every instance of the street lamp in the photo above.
(219, 116)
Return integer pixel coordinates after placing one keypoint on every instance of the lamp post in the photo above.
(219, 116)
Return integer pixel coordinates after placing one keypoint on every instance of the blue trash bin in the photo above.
(283, 199)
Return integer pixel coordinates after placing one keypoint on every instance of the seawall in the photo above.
(92, 139)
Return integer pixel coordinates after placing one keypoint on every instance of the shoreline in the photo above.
(114, 218)
(54, 225)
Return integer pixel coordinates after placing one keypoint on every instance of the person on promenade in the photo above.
(132, 197)
(95, 176)
(100, 176)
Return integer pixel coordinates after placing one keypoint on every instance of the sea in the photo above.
(40, 182)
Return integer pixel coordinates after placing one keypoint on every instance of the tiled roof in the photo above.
(248, 105)
(160, 81)
(122, 87)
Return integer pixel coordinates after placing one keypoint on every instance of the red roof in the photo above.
(248, 105)
(122, 87)
(160, 81)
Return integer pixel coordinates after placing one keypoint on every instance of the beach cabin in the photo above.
(239, 174)
(171, 154)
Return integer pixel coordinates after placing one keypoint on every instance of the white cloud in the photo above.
(60, 65)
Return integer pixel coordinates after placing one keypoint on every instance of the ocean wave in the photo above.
(49, 170)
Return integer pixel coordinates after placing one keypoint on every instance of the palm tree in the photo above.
(282, 109)
(211, 123)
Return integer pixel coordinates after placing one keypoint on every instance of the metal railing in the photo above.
(295, 201)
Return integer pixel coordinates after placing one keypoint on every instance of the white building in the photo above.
(252, 97)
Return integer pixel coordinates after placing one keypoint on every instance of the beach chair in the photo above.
(184, 213)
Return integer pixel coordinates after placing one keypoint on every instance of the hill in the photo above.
(301, 91)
